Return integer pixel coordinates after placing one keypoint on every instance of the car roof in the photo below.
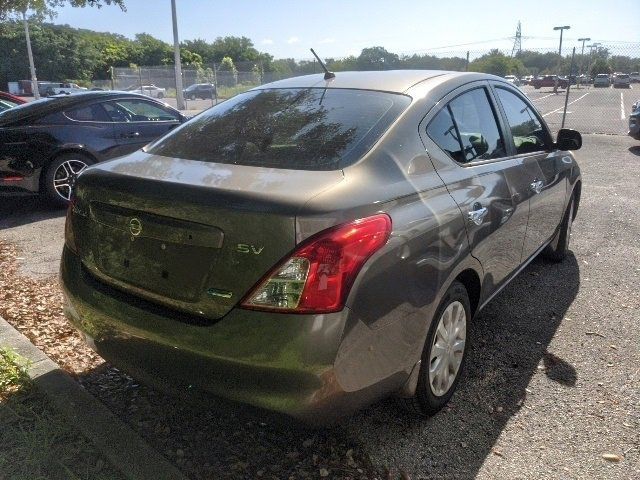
(397, 81)
(49, 105)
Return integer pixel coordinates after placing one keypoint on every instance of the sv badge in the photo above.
(246, 248)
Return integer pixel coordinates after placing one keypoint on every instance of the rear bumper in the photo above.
(286, 363)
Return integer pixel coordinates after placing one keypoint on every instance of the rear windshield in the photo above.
(300, 129)
(623, 75)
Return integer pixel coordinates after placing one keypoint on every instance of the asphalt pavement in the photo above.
(589, 109)
(552, 381)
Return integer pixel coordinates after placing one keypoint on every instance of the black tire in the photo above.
(557, 250)
(425, 402)
(192, 96)
(53, 172)
(160, 95)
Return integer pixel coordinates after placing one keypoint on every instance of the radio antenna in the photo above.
(327, 74)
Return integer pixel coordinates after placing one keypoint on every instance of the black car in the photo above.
(200, 90)
(45, 144)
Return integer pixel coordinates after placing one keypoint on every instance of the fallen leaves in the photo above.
(34, 307)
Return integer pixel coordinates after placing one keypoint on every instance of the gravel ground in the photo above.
(552, 381)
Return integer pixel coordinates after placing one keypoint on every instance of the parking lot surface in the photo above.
(552, 381)
(589, 109)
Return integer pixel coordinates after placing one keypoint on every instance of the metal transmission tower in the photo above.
(517, 43)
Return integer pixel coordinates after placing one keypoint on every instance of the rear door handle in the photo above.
(478, 213)
(130, 135)
(537, 185)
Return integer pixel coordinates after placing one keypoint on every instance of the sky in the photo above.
(286, 28)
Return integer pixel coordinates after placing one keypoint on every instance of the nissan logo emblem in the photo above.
(135, 226)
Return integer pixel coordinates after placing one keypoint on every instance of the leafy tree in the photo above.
(600, 66)
(46, 8)
(496, 63)
(377, 58)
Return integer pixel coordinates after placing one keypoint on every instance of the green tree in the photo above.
(377, 58)
(600, 66)
(496, 63)
(46, 8)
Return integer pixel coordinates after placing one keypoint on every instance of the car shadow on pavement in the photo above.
(212, 438)
(17, 210)
(509, 345)
(635, 150)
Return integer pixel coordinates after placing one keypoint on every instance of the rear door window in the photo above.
(302, 129)
(475, 128)
(88, 113)
(134, 110)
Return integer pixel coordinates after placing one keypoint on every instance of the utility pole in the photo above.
(32, 67)
(176, 52)
(566, 27)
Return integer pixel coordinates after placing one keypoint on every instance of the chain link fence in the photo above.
(602, 80)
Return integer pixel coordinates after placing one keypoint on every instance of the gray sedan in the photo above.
(318, 243)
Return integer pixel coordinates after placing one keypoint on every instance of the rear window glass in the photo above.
(301, 129)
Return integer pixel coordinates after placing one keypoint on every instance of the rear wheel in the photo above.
(557, 250)
(61, 175)
(443, 355)
(192, 96)
(160, 95)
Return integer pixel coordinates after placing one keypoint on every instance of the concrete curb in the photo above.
(124, 448)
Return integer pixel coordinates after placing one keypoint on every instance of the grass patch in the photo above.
(228, 92)
(36, 441)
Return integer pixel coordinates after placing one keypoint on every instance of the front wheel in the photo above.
(443, 355)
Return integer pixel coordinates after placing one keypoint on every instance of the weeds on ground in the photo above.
(36, 441)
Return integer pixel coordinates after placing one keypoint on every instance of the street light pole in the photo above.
(32, 67)
(566, 27)
(176, 53)
(586, 39)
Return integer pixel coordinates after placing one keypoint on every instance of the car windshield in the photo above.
(302, 129)
(623, 75)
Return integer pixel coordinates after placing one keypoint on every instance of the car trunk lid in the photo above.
(189, 235)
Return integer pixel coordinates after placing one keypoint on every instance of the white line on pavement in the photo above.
(621, 106)
(540, 98)
(562, 107)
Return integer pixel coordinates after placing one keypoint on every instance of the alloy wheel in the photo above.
(447, 350)
(65, 177)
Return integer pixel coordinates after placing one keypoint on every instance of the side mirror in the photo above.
(568, 139)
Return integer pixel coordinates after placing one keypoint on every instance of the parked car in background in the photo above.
(549, 81)
(200, 90)
(526, 80)
(312, 246)
(64, 88)
(8, 101)
(45, 144)
(621, 80)
(512, 79)
(634, 121)
(12, 98)
(634, 77)
(601, 80)
(148, 90)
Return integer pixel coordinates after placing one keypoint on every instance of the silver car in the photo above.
(316, 244)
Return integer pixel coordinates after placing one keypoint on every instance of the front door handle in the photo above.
(478, 213)
(537, 185)
(130, 135)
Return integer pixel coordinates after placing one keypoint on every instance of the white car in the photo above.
(149, 90)
(513, 79)
(66, 88)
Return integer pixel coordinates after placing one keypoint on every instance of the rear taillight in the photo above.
(317, 276)
(69, 238)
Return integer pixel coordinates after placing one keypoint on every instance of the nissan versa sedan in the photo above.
(312, 245)
(45, 144)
